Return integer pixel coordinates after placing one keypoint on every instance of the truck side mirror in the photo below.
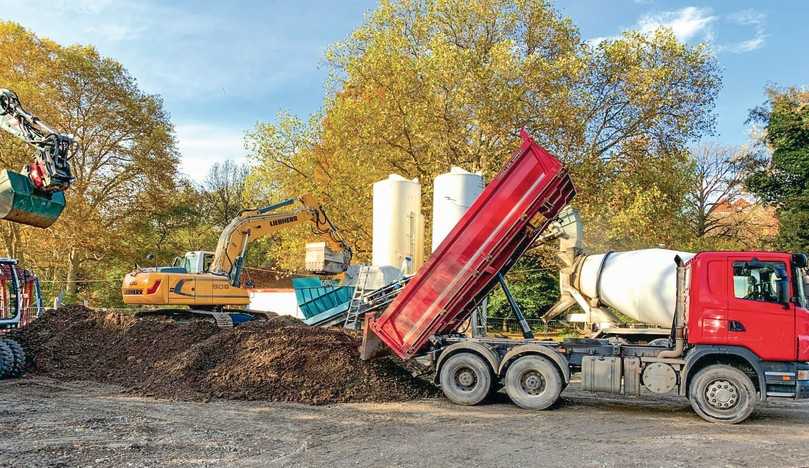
(799, 260)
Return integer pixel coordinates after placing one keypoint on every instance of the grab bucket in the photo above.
(21, 203)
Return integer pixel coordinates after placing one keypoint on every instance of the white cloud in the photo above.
(699, 24)
(201, 145)
(114, 32)
(748, 18)
(687, 23)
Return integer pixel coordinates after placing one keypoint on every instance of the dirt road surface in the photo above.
(49, 423)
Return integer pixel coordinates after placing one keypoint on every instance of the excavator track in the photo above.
(224, 318)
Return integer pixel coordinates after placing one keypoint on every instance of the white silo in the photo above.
(398, 224)
(453, 194)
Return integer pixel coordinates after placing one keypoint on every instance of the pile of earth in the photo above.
(277, 359)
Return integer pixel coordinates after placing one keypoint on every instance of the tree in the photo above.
(224, 192)
(783, 181)
(716, 189)
(423, 85)
(125, 161)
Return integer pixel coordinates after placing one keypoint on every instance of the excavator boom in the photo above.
(50, 171)
(251, 225)
(34, 196)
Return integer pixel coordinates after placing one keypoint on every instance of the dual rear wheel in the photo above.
(531, 381)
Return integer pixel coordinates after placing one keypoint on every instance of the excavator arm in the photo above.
(50, 170)
(252, 225)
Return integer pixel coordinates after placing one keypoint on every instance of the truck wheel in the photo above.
(532, 382)
(19, 357)
(6, 360)
(465, 379)
(722, 394)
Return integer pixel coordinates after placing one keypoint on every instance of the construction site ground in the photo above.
(45, 422)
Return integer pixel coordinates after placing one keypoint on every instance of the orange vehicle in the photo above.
(211, 281)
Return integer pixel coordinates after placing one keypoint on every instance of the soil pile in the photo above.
(277, 359)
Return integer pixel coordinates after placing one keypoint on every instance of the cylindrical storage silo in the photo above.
(640, 284)
(453, 194)
(398, 224)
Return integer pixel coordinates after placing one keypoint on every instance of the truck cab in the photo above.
(752, 300)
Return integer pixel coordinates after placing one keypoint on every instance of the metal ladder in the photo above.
(355, 306)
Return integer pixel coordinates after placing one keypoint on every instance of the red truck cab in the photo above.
(754, 300)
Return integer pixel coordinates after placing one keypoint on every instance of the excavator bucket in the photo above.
(21, 203)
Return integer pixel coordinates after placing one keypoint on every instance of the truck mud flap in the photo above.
(371, 344)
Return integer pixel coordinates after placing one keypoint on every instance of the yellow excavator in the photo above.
(211, 282)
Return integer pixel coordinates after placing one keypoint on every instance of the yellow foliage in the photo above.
(423, 85)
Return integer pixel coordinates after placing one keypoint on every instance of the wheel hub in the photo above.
(533, 382)
(466, 379)
(722, 394)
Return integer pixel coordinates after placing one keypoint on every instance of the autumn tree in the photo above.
(224, 191)
(717, 210)
(423, 85)
(783, 179)
(124, 160)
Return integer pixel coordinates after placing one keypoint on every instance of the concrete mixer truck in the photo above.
(638, 284)
(739, 330)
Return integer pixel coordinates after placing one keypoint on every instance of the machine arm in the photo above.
(255, 224)
(50, 171)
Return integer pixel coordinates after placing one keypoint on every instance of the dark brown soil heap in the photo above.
(277, 359)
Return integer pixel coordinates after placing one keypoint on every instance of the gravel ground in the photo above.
(44, 422)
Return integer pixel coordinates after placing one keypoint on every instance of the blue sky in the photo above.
(223, 66)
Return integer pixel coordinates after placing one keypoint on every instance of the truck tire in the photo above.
(19, 357)
(6, 360)
(722, 394)
(533, 382)
(465, 379)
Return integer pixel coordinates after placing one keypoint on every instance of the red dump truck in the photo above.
(740, 334)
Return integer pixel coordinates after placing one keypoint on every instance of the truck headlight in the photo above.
(803, 375)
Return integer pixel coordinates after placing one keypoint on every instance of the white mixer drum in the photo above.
(641, 284)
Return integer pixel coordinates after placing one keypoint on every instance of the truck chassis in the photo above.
(722, 383)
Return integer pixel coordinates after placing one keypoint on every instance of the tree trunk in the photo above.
(72, 269)
(13, 242)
